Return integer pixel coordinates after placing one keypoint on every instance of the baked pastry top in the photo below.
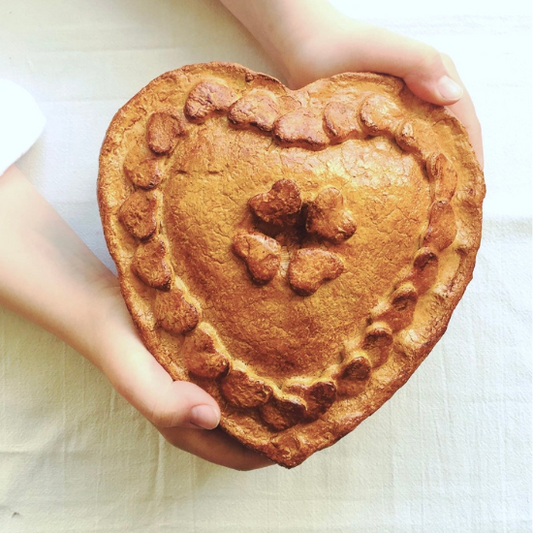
(295, 253)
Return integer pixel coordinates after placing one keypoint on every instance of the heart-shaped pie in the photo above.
(295, 253)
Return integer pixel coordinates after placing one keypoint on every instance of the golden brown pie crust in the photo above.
(295, 253)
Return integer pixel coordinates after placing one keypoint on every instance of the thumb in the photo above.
(421, 66)
(184, 404)
(143, 382)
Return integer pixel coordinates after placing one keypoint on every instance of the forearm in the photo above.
(47, 274)
(283, 26)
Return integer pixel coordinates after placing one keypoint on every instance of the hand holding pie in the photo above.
(311, 39)
(309, 246)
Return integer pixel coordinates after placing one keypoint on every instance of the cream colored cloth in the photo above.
(450, 452)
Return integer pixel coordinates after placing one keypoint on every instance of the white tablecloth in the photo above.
(450, 452)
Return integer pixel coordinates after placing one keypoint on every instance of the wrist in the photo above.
(319, 43)
(287, 29)
(108, 323)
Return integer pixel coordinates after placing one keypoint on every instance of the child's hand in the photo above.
(178, 409)
(309, 39)
(48, 275)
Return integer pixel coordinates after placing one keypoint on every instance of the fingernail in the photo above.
(449, 89)
(204, 416)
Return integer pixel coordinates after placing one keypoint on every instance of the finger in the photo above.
(178, 414)
(360, 47)
(430, 75)
(178, 409)
(420, 65)
(137, 376)
(183, 405)
(169, 405)
(465, 111)
(217, 447)
(164, 402)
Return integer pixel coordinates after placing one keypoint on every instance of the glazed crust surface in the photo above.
(295, 253)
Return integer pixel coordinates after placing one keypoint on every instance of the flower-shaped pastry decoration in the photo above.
(281, 208)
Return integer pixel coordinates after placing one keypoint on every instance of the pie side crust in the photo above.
(297, 254)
